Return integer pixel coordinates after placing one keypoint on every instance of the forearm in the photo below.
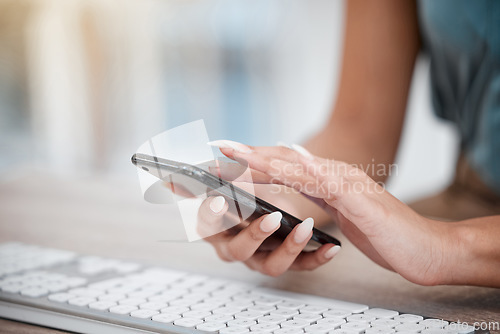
(381, 45)
(474, 253)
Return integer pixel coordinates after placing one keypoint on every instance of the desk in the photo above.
(106, 218)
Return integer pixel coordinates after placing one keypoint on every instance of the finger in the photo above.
(278, 261)
(229, 148)
(211, 218)
(293, 175)
(237, 172)
(313, 259)
(242, 246)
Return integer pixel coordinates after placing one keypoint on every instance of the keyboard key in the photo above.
(188, 322)
(86, 292)
(434, 323)
(240, 304)
(111, 297)
(289, 331)
(175, 309)
(217, 301)
(197, 314)
(361, 318)
(460, 328)
(81, 301)
(316, 309)
(102, 305)
(142, 294)
(381, 313)
(336, 313)
(196, 296)
(241, 323)
(295, 324)
(264, 327)
(251, 315)
(358, 327)
(380, 330)
(319, 328)
(182, 302)
(153, 306)
(61, 297)
(263, 309)
(310, 317)
(234, 330)
(409, 327)
(13, 287)
(408, 318)
(166, 317)
(333, 321)
(385, 323)
(55, 286)
(122, 309)
(291, 305)
(287, 313)
(219, 318)
(204, 307)
(226, 311)
(165, 297)
(437, 331)
(74, 282)
(271, 319)
(223, 293)
(268, 301)
(132, 301)
(211, 326)
(34, 292)
(106, 284)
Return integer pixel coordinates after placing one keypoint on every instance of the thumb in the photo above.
(211, 216)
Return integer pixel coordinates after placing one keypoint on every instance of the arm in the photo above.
(422, 250)
(381, 45)
(477, 259)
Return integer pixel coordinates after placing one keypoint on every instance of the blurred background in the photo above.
(83, 83)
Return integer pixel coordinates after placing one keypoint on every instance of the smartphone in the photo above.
(160, 167)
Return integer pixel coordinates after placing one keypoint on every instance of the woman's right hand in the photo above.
(252, 242)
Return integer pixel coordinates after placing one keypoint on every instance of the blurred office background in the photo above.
(84, 82)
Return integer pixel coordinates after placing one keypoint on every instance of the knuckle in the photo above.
(237, 253)
(290, 250)
(223, 255)
(253, 233)
(271, 270)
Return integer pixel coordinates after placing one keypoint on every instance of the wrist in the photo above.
(458, 257)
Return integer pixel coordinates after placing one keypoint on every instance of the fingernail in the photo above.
(282, 144)
(239, 147)
(304, 230)
(332, 252)
(271, 222)
(302, 151)
(217, 204)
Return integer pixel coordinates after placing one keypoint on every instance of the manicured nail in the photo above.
(271, 222)
(282, 144)
(302, 151)
(217, 204)
(303, 230)
(332, 252)
(239, 147)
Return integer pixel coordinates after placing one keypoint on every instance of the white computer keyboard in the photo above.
(91, 294)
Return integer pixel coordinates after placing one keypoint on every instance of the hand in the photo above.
(253, 244)
(382, 227)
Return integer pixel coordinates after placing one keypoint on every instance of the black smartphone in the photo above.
(160, 167)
